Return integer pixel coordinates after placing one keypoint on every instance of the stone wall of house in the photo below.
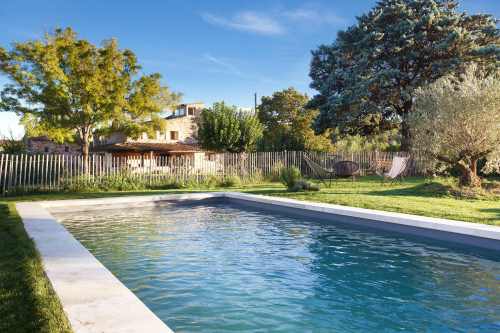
(117, 137)
(186, 128)
(53, 148)
(181, 127)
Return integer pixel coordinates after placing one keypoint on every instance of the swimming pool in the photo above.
(234, 268)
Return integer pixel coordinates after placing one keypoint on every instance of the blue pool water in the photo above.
(227, 268)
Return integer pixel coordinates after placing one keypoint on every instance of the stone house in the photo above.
(43, 145)
(179, 140)
(181, 128)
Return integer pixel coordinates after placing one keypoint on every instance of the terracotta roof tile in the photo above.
(141, 146)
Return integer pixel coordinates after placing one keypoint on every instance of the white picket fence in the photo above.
(21, 174)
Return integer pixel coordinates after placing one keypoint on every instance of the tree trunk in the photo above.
(85, 157)
(405, 137)
(469, 176)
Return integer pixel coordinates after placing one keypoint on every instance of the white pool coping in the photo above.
(94, 300)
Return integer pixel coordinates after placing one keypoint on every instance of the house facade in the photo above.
(161, 150)
(181, 128)
(43, 145)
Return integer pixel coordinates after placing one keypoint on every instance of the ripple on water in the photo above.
(233, 269)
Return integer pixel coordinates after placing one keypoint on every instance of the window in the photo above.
(45, 149)
(174, 135)
(66, 149)
(191, 111)
(179, 112)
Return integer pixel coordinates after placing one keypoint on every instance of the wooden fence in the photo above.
(21, 174)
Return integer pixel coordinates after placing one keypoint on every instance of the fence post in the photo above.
(150, 168)
(10, 174)
(4, 179)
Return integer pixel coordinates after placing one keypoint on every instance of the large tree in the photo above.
(367, 78)
(69, 87)
(456, 121)
(287, 123)
(224, 127)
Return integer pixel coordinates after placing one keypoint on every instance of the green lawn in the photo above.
(27, 302)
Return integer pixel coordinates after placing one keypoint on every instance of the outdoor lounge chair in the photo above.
(397, 169)
(345, 169)
(322, 172)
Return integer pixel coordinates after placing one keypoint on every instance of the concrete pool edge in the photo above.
(95, 301)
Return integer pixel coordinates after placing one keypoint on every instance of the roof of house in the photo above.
(44, 137)
(145, 146)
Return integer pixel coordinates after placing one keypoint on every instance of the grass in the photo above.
(28, 304)
(27, 301)
(419, 197)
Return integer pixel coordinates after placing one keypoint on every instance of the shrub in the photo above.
(289, 176)
(210, 181)
(257, 177)
(231, 181)
(274, 173)
(304, 186)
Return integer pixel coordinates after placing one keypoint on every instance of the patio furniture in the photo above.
(397, 169)
(322, 172)
(345, 169)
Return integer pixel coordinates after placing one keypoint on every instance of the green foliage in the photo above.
(274, 174)
(387, 141)
(66, 86)
(455, 123)
(257, 177)
(367, 77)
(12, 144)
(304, 186)
(225, 128)
(287, 124)
(231, 181)
(290, 176)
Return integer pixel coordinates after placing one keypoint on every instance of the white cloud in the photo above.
(311, 16)
(230, 67)
(249, 21)
(278, 21)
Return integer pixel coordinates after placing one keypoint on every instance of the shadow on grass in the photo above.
(491, 210)
(435, 190)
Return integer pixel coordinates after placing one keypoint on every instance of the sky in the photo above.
(211, 51)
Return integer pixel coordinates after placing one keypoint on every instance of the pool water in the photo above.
(229, 268)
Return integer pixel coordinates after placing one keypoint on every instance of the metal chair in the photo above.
(322, 172)
(345, 169)
(397, 169)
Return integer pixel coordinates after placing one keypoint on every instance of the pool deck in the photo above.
(94, 300)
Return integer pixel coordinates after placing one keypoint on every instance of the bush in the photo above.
(304, 186)
(274, 174)
(257, 177)
(289, 176)
(231, 181)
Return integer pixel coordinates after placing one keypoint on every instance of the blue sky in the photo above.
(208, 50)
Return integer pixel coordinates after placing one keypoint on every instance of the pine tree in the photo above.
(367, 78)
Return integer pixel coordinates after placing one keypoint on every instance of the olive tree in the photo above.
(456, 121)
